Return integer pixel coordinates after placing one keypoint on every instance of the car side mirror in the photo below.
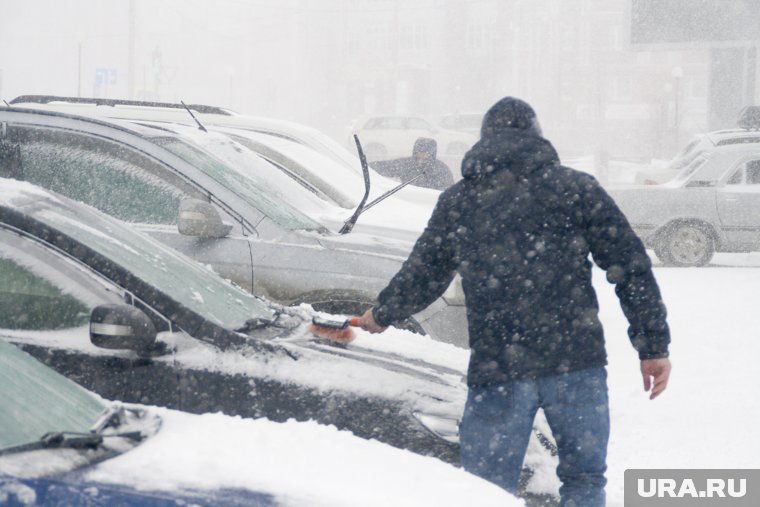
(121, 326)
(201, 219)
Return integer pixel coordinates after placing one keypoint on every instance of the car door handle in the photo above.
(731, 199)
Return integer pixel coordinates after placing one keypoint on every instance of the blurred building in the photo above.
(329, 62)
(572, 59)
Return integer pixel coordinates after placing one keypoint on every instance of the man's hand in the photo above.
(656, 373)
(367, 322)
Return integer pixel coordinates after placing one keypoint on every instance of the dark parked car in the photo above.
(133, 320)
(52, 432)
(63, 446)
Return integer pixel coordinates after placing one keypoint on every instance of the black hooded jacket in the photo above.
(519, 228)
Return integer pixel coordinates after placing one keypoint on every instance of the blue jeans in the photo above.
(498, 420)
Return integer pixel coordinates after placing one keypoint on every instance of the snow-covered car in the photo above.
(713, 205)
(62, 445)
(463, 122)
(240, 214)
(301, 153)
(316, 193)
(388, 137)
(747, 133)
(133, 320)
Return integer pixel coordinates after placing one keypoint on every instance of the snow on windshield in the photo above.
(36, 400)
(248, 176)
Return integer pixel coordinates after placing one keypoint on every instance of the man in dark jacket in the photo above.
(519, 228)
(428, 171)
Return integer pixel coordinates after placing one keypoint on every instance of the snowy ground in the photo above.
(706, 416)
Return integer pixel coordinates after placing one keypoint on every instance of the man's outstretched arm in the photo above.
(617, 250)
(424, 276)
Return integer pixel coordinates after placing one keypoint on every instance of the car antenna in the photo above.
(6, 103)
(200, 125)
(349, 224)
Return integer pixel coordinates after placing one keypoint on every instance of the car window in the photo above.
(180, 278)
(310, 168)
(373, 123)
(737, 178)
(747, 173)
(37, 400)
(753, 172)
(417, 124)
(467, 122)
(41, 290)
(697, 162)
(28, 301)
(449, 122)
(267, 199)
(104, 174)
(386, 122)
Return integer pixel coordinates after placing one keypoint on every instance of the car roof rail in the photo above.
(47, 99)
(749, 118)
(739, 140)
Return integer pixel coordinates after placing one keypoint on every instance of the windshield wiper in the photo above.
(255, 323)
(392, 191)
(111, 417)
(283, 318)
(349, 224)
(58, 440)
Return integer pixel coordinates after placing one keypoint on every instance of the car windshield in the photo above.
(184, 280)
(36, 400)
(243, 173)
(466, 122)
(697, 161)
(316, 168)
(686, 155)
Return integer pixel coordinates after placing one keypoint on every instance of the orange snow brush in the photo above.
(338, 331)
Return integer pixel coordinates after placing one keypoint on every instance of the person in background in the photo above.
(519, 228)
(428, 171)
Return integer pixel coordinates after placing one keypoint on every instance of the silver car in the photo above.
(245, 229)
(702, 143)
(712, 205)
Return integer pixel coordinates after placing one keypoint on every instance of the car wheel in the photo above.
(661, 252)
(688, 245)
